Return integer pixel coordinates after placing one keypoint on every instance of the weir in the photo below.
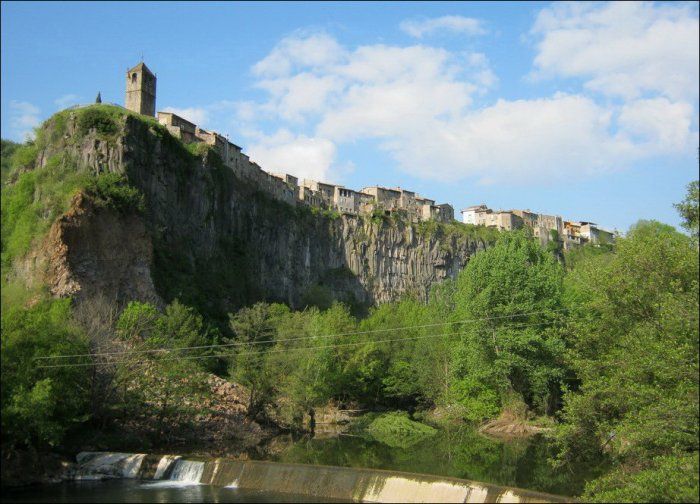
(324, 482)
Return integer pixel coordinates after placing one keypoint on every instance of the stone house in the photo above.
(446, 213)
(590, 232)
(325, 191)
(309, 197)
(541, 224)
(346, 200)
(469, 214)
(178, 127)
(572, 234)
(390, 199)
(529, 219)
(287, 178)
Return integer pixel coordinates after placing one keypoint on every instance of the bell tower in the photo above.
(141, 90)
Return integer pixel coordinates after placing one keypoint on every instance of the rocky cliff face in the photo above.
(206, 233)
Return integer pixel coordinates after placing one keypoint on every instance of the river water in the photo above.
(460, 453)
(137, 491)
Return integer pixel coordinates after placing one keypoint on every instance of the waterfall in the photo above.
(187, 471)
(163, 465)
(105, 465)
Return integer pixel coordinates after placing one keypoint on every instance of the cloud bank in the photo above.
(636, 65)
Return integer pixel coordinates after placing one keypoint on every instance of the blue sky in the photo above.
(589, 111)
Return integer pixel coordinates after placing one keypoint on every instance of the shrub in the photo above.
(397, 430)
(113, 190)
(99, 119)
(24, 156)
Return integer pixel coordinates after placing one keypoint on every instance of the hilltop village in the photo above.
(141, 98)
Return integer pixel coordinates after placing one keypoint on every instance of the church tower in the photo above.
(141, 90)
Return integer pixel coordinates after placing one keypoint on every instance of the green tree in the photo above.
(163, 387)
(255, 330)
(512, 294)
(39, 405)
(634, 337)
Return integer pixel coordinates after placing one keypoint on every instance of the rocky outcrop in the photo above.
(205, 230)
(92, 250)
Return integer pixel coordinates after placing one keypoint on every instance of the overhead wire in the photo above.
(262, 342)
(285, 350)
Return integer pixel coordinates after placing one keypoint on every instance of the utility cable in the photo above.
(262, 342)
(284, 350)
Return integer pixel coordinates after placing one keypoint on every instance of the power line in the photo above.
(284, 350)
(262, 342)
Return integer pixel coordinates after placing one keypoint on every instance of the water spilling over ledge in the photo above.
(325, 482)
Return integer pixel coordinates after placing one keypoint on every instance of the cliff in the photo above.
(207, 237)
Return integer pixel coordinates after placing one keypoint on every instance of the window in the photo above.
(133, 77)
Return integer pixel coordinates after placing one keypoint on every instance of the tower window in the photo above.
(133, 77)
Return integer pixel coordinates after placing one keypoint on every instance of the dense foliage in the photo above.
(634, 349)
(40, 405)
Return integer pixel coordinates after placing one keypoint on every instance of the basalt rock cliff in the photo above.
(209, 237)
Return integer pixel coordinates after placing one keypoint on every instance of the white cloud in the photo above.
(314, 50)
(66, 101)
(370, 89)
(622, 48)
(659, 124)
(299, 155)
(196, 115)
(522, 141)
(390, 89)
(456, 24)
(24, 117)
(417, 104)
(301, 94)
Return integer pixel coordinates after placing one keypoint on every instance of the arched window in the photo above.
(133, 77)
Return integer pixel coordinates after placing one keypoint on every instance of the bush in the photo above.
(113, 190)
(397, 430)
(23, 156)
(99, 119)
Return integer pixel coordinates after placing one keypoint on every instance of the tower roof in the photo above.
(141, 67)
